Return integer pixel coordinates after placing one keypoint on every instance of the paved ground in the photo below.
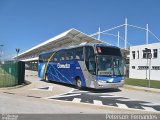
(34, 88)
(107, 99)
(43, 97)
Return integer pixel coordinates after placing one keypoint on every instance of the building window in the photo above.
(133, 54)
(155, 53)
(143, 67)
(146, 53)
(155, 67)
(137, 54)
(127, 61)
(133, 67)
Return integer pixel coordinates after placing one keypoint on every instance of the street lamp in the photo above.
(149, 56)
(1, 51)
(17, 51)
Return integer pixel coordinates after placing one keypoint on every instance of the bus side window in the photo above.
(79, 54)
(40, 59)
(61, 55)
(55, 57)
(68, 54)
(47, 56)
(73, 53)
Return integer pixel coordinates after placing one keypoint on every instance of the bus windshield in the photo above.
(110, 65)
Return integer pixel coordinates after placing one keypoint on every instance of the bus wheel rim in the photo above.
(79, 83)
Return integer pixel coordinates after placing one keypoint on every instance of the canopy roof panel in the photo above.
(68, 38)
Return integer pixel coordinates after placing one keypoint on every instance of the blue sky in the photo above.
(26, 23)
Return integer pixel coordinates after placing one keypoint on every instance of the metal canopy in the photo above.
(68, 38)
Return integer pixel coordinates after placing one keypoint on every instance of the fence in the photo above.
(12, 73)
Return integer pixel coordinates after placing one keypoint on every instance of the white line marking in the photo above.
(109, 96)
(98, 93)
(50, 88)
(97, 102)
(151, 104)
(127, 99)
(69, 95)
(78, 91)
(105, 93)
(121, 105)
(150, 109)
(70, 91)
(77, 100)
(59, 96)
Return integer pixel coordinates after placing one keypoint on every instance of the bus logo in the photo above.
(63, 65)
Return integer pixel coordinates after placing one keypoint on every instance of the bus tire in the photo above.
(78, 83)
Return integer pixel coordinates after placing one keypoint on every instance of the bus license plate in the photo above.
(113, 85)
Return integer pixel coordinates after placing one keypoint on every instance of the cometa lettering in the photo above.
(63, 65)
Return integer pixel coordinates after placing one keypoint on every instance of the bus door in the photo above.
(90, 66)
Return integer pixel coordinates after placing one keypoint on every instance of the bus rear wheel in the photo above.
(78, 83)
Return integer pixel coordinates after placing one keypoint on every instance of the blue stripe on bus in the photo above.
(41, 70)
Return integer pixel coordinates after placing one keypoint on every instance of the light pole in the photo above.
(1, 51)
(125, 34)
(149, 56)
(17, 51)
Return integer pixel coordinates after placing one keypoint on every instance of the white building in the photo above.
(145, 62)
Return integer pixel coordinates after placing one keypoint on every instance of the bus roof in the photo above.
(81, 45)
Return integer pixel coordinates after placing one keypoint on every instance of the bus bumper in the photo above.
(103, 85)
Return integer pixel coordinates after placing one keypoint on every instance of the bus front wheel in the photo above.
(78, 83)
